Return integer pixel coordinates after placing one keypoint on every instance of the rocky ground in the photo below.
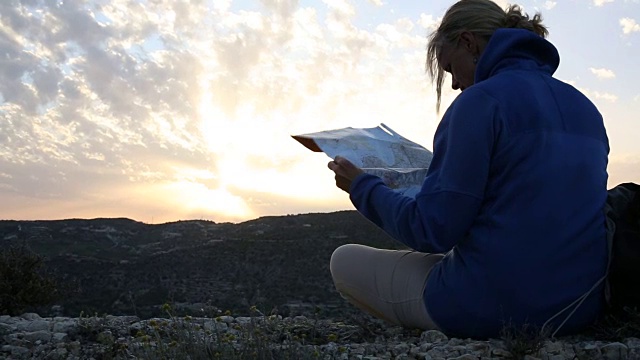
(118, 266)
(271, 337)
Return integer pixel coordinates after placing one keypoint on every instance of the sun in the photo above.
(197, 198)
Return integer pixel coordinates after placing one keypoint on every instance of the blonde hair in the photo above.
(481, 18)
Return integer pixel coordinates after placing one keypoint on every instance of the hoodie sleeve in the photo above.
(451, 196)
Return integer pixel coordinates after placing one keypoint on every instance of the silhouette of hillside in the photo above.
(123, 267)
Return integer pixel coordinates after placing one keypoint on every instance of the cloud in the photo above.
(548, 5)
(601, 2)
(170, 109)
(89, 106)
(503, 3)
(603, 73)
(398, 35)
(340, 8)
(596, 95)
(429, 22)
(376, 2)
(283, 8)
(605, 96)
(629, 25)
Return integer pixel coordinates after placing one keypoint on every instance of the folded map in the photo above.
(400, 163)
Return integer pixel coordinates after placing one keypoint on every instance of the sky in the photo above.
(166, 110)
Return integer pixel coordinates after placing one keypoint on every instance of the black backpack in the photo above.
(623, 222)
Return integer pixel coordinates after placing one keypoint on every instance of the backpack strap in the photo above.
(610, 229)
(577, 302)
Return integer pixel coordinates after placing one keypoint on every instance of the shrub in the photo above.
(617, 326)
(523, 341)
(24, 281)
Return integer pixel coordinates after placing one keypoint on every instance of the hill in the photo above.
(123, 267)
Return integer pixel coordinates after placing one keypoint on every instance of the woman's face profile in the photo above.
(458, 60)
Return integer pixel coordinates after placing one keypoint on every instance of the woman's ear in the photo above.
(469, 42)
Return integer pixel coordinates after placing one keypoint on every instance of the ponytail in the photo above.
(516, 18)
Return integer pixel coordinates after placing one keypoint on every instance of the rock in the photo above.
(226, 319)
(243, 320)
(330, 347)
(16, 339)
(58, 354)
(40, 335)
(438, 353)
(105, 337)
(59, 337)
(587, 351)
(530, 357)
(15, 351)
(614, 351)
(74, 347)
(558, 357)
(426, 346)
(465, 357)
(479, 349)
(433, 337)
(414, 350)
(5, 329)
(501, 353)
(632, 343)
(30, 326)
(569, 351)
(402, 348)
(64, 325)
(137, 327)
(213, 325)
(31, 316)
(357, 350)
(552, 347)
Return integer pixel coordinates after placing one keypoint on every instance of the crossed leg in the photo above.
(388, 284)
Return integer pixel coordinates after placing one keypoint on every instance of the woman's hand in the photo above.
(345, 172)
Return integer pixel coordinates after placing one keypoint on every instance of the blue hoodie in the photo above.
(514, 197)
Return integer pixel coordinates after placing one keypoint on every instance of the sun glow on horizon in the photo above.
(196, 198)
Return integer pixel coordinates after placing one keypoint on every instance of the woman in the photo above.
(508, 228)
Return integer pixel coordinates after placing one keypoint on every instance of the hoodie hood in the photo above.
(516, 49)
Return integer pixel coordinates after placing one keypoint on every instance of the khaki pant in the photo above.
(388, 284)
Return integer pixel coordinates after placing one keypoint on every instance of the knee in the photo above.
(340, 260)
